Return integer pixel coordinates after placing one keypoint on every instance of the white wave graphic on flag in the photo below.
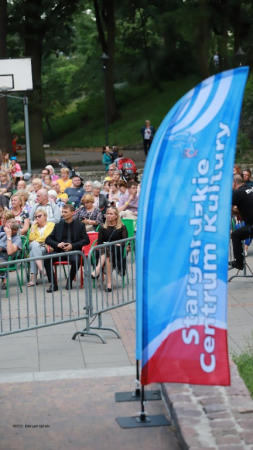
(178, 324)
(200, 102)
(210, 109)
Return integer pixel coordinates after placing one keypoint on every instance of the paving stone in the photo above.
(211, 400)
(247, 436)
(187, 431)
(191, 442)
(201, 391)
(246, 423)
(221, 440)
(231, 447)
(202, 448)
(189, 412)
(222, 423)
(224, 431)
(180, 398)
(219, 415)
(216, 407)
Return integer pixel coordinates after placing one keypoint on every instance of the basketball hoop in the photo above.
(5, 89)
(6, 82)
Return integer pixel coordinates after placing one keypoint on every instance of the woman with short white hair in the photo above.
(52, 172)
(100, 200)
(88, 187)
(52, 195)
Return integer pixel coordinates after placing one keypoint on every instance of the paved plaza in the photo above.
(46, 378)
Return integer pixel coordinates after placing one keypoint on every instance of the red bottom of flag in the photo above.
(203, 361)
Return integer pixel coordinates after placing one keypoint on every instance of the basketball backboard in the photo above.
(16, 74)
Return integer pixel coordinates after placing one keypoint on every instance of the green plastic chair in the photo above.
(24, 254)
(130, 226)
(12, 268)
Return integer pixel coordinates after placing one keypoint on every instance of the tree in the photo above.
(105, 21)
(44, 27)
(5, 129)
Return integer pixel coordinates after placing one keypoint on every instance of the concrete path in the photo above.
(85, 159)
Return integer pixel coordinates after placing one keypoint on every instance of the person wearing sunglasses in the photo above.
(38, 233)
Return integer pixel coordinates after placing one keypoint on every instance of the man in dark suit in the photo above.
(68, 235)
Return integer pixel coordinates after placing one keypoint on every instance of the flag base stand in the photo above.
(143, 421)
(136, 395)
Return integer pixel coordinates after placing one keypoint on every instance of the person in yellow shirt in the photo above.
(62, 196)
(39, 231)
(64, 182)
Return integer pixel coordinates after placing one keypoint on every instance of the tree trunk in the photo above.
(111, 31)
(146, 52)
(202, 41)
(237, 26)
(108, 47)
(5, 128)
(33, 49)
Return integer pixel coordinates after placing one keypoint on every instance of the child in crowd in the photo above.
(16, 171)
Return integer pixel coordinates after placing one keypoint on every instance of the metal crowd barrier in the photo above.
(122, 276)
(24, 308)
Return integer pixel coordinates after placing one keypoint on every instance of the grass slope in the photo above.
(85, 126)
(244, 363)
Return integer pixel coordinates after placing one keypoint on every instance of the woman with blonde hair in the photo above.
(36, 185)
(40, 230)
(112, 230)
(5, 216)
(64, 182)
(21, 216)
(88, 213)
(24, 194)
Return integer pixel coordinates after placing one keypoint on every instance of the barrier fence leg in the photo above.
(100, 327)
(86, 331)
(88, 306)
(135, 396)
(143, 420)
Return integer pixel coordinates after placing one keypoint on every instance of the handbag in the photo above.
(89, 227)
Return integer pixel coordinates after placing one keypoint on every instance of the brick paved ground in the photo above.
(75, 414)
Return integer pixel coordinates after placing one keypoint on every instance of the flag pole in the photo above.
(134, 396)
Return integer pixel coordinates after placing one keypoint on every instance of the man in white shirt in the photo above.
(53, 211)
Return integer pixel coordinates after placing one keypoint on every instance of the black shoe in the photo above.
(4, 286)
(52, 288)
(237, 265)
(68, 286)
(108, 289)
(95, 277)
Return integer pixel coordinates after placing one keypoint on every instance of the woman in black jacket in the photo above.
(113, 230)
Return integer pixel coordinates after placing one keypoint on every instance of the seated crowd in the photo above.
(56, 213)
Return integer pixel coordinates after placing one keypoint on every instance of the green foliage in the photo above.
(244, 363)
(136, 105)
(156, 41)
